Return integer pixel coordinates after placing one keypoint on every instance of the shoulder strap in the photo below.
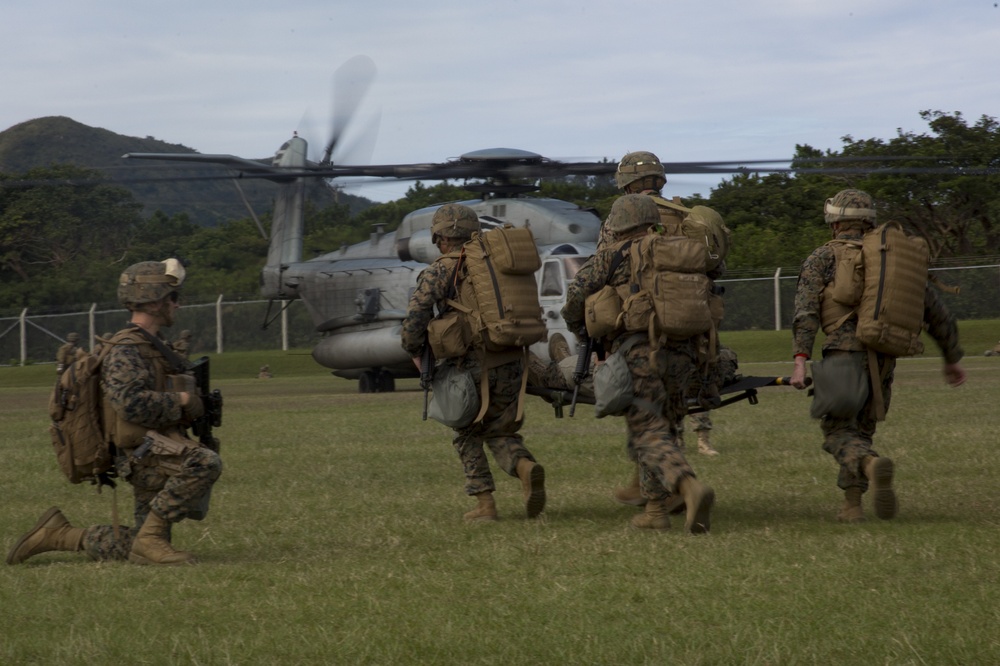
(177, 364)
(617, 260)
(666, 203)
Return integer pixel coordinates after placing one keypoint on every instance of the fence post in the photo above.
(218, 325)
(777, 299)
(90, 321)
(284, 325)
(24, 336)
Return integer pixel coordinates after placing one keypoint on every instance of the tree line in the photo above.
(64, 245)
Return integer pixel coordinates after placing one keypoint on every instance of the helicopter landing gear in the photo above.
(376, 381)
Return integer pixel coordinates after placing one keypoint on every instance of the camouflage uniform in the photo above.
(175, 486)
(558, 375)
(499, 427)
(849, 441)
(659, 396)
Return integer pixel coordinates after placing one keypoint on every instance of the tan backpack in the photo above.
(669, 292)
(499, 295)
(704, 225)
(881, 279)
(77, 429)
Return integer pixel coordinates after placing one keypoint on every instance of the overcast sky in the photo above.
(569, 79)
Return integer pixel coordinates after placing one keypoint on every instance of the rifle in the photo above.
(581, 370)
(212, 400)
(426, 373)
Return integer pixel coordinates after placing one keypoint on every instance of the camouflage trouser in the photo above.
(497, 431)
(701, 422)
(546, 374)
(654, 418)
(172, 486)
(850, 440)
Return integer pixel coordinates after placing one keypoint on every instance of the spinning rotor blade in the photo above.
(350, 83)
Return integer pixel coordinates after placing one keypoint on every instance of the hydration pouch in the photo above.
(840, 386)
(612, 386)
(613, 392)
(455, 398)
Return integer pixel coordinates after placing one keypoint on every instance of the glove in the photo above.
(195, 407)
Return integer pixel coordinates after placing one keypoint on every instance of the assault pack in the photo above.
(497, 311)
(881, 279)
(702, 224)
(77, 430)
(499, 295)
(670, 296)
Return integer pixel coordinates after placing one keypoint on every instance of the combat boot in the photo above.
(558, 347)
(532, 477)
(152, 544)
(879, 472)
(632, 493)
(674, 504)
(704, 446)
(851, 512)
(698, 499)
(51, 532)
(486, 509)
(654, 517)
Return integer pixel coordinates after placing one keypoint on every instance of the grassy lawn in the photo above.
(335, 536)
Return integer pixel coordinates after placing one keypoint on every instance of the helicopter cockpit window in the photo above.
(552, 283)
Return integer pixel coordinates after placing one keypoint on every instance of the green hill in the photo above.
(172, 188)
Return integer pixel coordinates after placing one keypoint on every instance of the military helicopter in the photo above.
(357, 295)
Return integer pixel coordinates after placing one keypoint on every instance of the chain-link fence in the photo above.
(769, 302)
(215, 327)
(225, 326)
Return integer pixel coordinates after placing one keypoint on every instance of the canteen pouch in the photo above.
(637, 310)
(449, 335)
(840, 386)
(602, 311)
(454, 397)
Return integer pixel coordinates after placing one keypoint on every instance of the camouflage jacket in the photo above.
(818, 271)
(133, 378)
(433, 288)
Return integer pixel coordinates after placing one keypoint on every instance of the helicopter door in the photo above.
(552, 280)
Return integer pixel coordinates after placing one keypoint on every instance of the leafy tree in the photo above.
(953, 202)
(942, 186)
(59, 240)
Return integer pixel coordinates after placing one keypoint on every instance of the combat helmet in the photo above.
(850, 205)
(454, 221)
(632, 211)
(636, 166)
(73, 337)
(149, 281)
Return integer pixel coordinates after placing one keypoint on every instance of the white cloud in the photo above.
(715, 79)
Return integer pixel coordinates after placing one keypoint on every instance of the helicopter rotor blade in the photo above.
(350, 83)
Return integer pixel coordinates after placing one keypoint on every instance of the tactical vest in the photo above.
(124, 434)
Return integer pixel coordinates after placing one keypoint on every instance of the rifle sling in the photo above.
(177, 364)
